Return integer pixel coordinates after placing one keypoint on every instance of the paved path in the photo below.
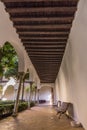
(38, 118)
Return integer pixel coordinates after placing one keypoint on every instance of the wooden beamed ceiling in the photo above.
(43, 27)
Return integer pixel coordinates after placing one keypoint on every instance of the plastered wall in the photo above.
(71, 81)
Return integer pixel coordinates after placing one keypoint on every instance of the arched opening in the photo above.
(8, 66)
(9, 60)
(45, 95)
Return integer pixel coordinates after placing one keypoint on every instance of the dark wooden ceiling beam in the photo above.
(51, 43)
(45, 58)
(46, 74)
(47, 71)
(28, 23)
(44, 46)
(56, 48)
(39, 3)
(57, 63)
(45, 55)
(44, 40)
(43, 30)
(43, 20)
(49, 61)
(48, 67)
(48, 79)
(35, 23)
(44, 81)
(45, 50)
(44, 61)
(12, 1)
(42, 35)
(50, 74)
(42, 27)
(42, 14)
(42, 10)
(40, 70)
(38, 57)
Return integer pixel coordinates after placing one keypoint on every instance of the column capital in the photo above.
(21, 72)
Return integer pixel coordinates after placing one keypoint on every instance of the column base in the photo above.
(15, 114)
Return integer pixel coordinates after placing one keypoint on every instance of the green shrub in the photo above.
(6, 107)
(22, 106)
(32, 104)
(6, 102)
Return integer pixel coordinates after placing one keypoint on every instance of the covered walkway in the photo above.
(50, 38)
(38, 118)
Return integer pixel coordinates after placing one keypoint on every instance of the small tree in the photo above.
(9, 61)
(34, 91)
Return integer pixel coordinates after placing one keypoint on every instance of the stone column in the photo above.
(30, 94)
(38, 95)
(22, 96)
(15, 112)
(35, 93)
(52, 95)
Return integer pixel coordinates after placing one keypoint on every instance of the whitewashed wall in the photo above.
(72, 78)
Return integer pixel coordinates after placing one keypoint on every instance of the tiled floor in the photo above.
(38, 118)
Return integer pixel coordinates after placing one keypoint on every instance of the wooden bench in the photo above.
(62, 108)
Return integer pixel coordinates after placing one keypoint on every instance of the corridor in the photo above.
(38, 118)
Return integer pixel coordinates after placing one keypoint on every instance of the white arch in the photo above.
(20, 53)
(8, 33)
